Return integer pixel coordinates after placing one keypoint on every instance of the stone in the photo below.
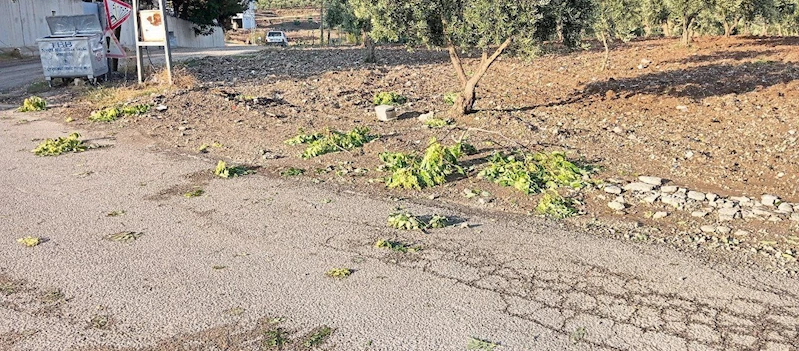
(672, 201)
(616, 206)
(617, 130)
(713, 204)
(748, 215)
(699, 214)
(728, 214)
(760, 211)
(638, 186)
(651, 180)
(650, 199)
(741, 232)
(711, 197)
(795, 216)
(723, 230)
(161, 108)
(785, 207)
(386, 113)
(620, 199)
(695, 195)
(425, 116)
(659, 215)
(769, 200)
(668, 189)
(612, 189)
(682, 108)
(708, 229)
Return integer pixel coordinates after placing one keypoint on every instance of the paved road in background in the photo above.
(214, 272)
(22, 73)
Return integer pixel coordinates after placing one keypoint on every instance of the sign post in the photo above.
(157, 19)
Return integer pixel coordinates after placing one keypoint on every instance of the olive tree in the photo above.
(353, 17)
(617, 19)
(687, 12)
(488, 26)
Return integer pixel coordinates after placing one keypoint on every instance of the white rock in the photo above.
(723, 230)
(386, 113)
(728, 214)
(651, 180)
(161, 108)
(795, 216)
(741, 232)
(695, 195)
(708, 229)
(650, 199)
(616, 206)
(769, 200)
(425, 116)
(668, 189)
(617, 130)
(699, 214)
(620, 199)
(785, 207)
(682, 108)
(659, 215)
(612, 189)
(760, 211)
(711, 197)
(641, 187)
(672, 201)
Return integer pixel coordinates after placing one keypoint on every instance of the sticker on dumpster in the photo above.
(116, 12)
(115, 49)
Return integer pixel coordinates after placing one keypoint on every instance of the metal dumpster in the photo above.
(74, 49)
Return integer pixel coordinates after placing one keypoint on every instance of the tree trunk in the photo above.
(369, 45)
(465, 103)
(647, 31)
(727, 28)
(606, 62)
(322, 23)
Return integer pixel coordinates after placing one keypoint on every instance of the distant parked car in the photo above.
(277, 38)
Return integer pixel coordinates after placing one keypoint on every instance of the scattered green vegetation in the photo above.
(410, 171)
(577, 335)
(450, 98)
(331, 141)
(223, 171)
(115, 213)
(396, 246)
(389, 98)
(29, 241)
(276, 338)
(32, 104)
(124, 237)
(555, 206)
(318, 337)
(55, 147)
(532, 173)
(406, 221)
(194, 193)
(100, 321)
(111, 114)
(204, 148)
(339, 273)
(480, 344)
(436, 123)
(292, 172)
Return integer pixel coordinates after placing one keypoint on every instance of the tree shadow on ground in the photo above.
(697, 83)
(724, 55)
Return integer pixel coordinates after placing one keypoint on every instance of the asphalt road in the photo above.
(22, 73)
(207, 269)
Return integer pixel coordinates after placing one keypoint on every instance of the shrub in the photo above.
(33, 103)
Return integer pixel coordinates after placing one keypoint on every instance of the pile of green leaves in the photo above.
(58, 146)
(223, 171)
(396, 246)
(555, 206)
(406, 221)
(410, 171)
(532, 173)
(33, 103)
(111, 114)
(436, 123)
(450, 98)
(331, 141)
(389, 98)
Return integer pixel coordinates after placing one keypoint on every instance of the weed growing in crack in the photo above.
(410, 171)
(58, 146)
(331, 141)
(276, 338)
(194, 193)
(578, 335)
(111, 114)
(32, 104)
(223, 171)
(406, 221)
(555, 206)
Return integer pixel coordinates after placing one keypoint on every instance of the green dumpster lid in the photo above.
(74, 25)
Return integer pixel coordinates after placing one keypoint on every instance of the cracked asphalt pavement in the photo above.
(214, 272)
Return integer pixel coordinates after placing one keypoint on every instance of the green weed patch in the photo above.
(32, 104)
(111, 114)
(389, 98)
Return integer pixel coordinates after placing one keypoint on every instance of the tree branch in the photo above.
(486, 64)
(456, 62)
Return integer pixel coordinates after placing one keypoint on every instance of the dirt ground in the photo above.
(718, 117)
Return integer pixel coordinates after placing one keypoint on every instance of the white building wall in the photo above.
(27, 23)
